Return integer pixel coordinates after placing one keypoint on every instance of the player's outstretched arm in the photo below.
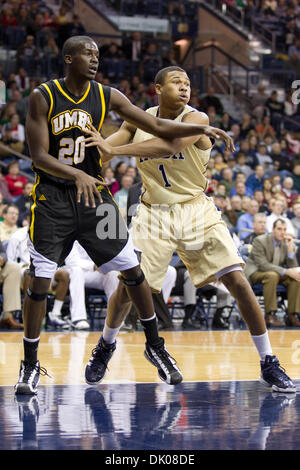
(38, 141)
(152, 148)
(164, 128)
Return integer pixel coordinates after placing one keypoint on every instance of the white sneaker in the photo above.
(57, 321)
(81, 325)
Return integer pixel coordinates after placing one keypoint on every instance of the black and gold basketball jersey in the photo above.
(68, 116)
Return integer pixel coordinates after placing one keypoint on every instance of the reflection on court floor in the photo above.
(214, 415)
(220, 404)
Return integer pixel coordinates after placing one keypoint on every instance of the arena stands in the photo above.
(267, 145)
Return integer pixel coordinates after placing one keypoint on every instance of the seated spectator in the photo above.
(296, 219)
(75, 27)
(259, 227)
(113, 184)
(10, 278)
(211, 100)
(8, 226)
(132, 171)
(15, 181)
(122, 195)
(9, 141)
(267, 190)
(85, 274)
(277, 213)
(112, 61)
(279, 160)
(296, 175)
(290, 107)
(120, 170)
(276, 111)
(28, 55)
(251, 158)
(245, 221)
(226, 122)
(241, 190)
(23, 203)
(151, 62)
(241, 165)
(17, 131)
(263, 157)
(256, 179)
(22, 79)
(246, 125)
(287, 189)
(294, 51)
(258, 101)
(265, 128)
(236, 205)
(258, 195)
(228, 215)
(227, 179)
(219, 163)
(272, 261)
(235, 134)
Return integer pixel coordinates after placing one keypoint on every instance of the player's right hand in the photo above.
(216, 133)
(89, 187)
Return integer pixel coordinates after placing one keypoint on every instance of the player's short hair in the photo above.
(72, 44)
(161, 75)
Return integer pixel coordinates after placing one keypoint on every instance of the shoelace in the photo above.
(164, 354)
(29, 367)
(276, 365)
(100, 355)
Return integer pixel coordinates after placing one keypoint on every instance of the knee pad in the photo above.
(35, 296)
(133, 282)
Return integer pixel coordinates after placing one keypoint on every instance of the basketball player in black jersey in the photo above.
(67, 200)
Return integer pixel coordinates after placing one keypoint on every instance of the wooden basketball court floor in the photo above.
(219, 405)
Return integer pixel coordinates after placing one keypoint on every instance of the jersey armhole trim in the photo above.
(51, 99)
(103, 106)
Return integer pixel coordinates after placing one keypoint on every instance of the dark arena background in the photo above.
(243, 61)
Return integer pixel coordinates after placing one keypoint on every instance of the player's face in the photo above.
(176, 88)
(86, 60)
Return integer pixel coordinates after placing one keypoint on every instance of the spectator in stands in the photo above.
(23, 203)
(151, 62)
(272, 260)
(294, 52)
(28, 56)
(287, 189)
(176, 8)
(265, 128)
(236, 205)
(279, 160)
(226, 122)
(22, 79)
(17, 131)
(245, 221)
(50, 56)
(10, 278)
(15, 181)
(219, 163)
(267, 190)
(133, 50)
(259, 197)
(277, 213)
(75, 27)
(246, 125)
(122, 195)
(109, 178)
(296, 175)
(290, 107)
(227, 179)
(296, 219)
(241, 165)
(259, 227)
(20, 104)
(256, 179)
(275, 109)
(228, 215)
(211, 100)
(8, 226)
(112, 61)
(263, 157)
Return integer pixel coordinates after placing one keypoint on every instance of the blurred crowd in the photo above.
(262, 175)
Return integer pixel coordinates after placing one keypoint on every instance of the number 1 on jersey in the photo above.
(162, 170)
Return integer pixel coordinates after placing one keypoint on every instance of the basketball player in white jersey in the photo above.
(176, 215)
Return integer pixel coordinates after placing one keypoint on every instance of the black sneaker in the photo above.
(29, 378)
(97, 365)
(273, 375)
(166, 365)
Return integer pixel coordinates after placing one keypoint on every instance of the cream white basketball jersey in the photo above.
(175, 179)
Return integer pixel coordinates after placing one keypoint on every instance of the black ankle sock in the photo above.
(151, 332)
(30, 350)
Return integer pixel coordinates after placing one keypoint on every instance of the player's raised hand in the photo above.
(90, 187)
(96, 140)
(216, 133)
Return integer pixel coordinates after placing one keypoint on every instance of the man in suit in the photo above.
(273, 261)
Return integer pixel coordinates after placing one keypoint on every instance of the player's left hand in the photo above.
(96, 140)
(216, 133)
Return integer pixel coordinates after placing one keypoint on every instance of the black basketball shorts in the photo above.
(57, 220)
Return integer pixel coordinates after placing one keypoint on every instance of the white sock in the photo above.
(57, 307)
(263, 345)
(109, 334)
